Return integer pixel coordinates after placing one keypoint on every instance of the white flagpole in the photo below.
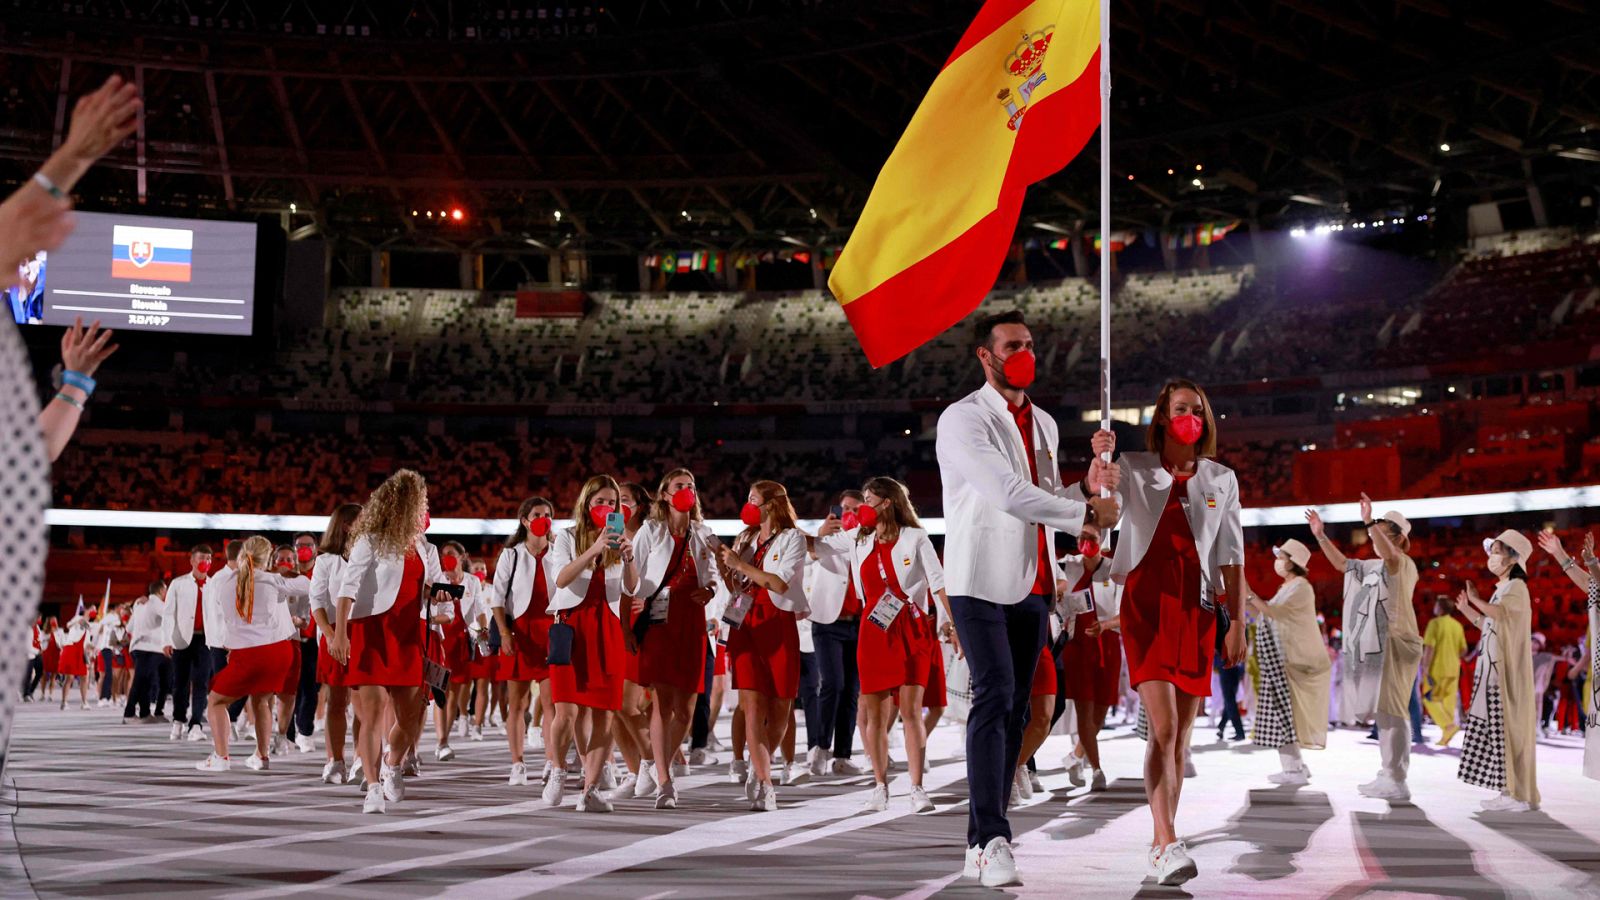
(1105, 219)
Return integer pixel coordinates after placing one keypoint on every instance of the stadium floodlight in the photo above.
(1297, 233)
(1444, 148)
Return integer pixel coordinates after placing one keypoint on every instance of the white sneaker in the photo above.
(475, 733)
(519, 775)
(277, 746)
(544, 775)
(177, 731)
(997, 867)
(305, 744)
(195, 734)
(1189, 771)
(411, 765)
(667, 796)
(1034, 783)
(970, 868)
(1022, 788)
(444, 754)
(393, 782)
(1298, 776)
(333, 772)
(257, 762)
(534, 739)
(591, 801)
(752, 789)
(920, 803)
(1505, 803)
(843, 766)
(1153, 863)
(625, 789)
(608, 777)
(714, 744)
(769, 798)
(555, 786)
(879, 801)
(795, 776)
(375, 802)
(701, 757)
(214, 763)
(1385, 788)
(645, 786)
(738, 771)
(818, 760)
(680, 770)
(1097, 781)
(1174, 867)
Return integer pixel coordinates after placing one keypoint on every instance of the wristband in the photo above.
(49, 187)
(1571, 561)
(78, 380)
(70, 401)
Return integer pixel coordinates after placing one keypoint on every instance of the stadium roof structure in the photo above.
(763, 122)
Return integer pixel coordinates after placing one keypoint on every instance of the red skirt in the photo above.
(119, 660)
(935, 696)
(252, 671)
(765, 651)
(719, 661)
(674, 651)
(888, 660)
(291, 673)
(52, 659)
(1167, 634)
(531, 661)
(457, 652)
(71, 661)
(1044, 675)
(329, 671)
(1093, 665)
(598, 657)
(386, 649)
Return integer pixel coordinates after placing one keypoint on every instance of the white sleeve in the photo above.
(963, 442)
(791, 565)
(321, 585)
(298, 586)
(561, 554)
(1229, 549)
(362, 559)
(931, 568)
(499, 594)
(169, 621)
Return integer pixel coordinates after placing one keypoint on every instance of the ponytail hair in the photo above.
(254, 555)
(523, 511)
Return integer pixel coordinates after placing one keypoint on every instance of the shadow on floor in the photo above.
(1556, 842)
(1403, 851)
(1278, 823)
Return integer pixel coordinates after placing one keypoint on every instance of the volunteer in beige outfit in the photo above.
(1391, 538)
(1289, 629)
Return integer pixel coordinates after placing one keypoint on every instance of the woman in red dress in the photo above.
(1092, 660)
(677, 578)
(458, 626)
(379, 634)
(893, 567)
(1182, 545)
(594, 568)
(631, 728)
(325, 576)
(520, 601)
(765, 569)
(73, 663)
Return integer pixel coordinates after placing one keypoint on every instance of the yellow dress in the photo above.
(1448, 640)
(1305, 661)
(1403, 650)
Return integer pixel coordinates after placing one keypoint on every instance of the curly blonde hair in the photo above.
(392, 515)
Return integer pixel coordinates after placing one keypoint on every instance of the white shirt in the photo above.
(1211, 507)
(268, 611)
(177, 619)
(325, 578)
(514, 575)
(373, 581)
(916, 565)
(145, 625)
(562, 552)
(36, 643)
(786, 558)
(991, 504)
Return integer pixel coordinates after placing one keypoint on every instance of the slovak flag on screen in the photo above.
(153, 254)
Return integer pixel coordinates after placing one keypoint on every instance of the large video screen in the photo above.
(145, 274)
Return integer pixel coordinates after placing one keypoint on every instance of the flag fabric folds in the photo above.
(1015, 102)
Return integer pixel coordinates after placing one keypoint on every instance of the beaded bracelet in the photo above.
(70, 401)
(43, 181)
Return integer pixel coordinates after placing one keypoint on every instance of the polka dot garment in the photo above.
(24, 497)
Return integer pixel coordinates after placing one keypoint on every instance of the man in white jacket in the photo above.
(184, 629)
(1003, 502)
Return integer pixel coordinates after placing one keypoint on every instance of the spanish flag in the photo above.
(1015, 102)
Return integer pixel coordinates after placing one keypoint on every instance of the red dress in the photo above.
(934, 697)
(1044, 674)
(72, 662)
(329, 670)
(457, 646)
(531, 659)
(888, 660)
(386, 649)
(52, 655)
(595, 677)
(1093, 666)
(258, 670)
(674, 651)
(765, 650)
(1167, 634)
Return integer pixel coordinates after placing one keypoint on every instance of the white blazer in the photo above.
(514, 574)
(177, 619)
(268, 612)
(563, 552)
(916, 565)
(827, 582)
(652, 553)
(373, 581)
(991, 504)
(1103, 591)
(1212, 509)
(212, 602)
(785, 558)
(326, 575)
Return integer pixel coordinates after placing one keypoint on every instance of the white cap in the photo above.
(1297, 552)
(1515, 541)
(1400, 522)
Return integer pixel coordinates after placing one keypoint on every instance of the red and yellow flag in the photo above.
(1015, 102)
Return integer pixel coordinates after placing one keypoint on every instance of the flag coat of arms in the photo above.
(151, 254)
(1015, 102)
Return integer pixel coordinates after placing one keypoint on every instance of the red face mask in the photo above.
(683, 500)
(627, 512)
(867, 515)
(1187, 428)
(597, 515)
(539, 527)
(449, 563)
(305, 554)
(1089, 547)
(482, 576)
(750, 515)
(203, 567)
(286, 565)
(850, 520)
(1018, 369)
